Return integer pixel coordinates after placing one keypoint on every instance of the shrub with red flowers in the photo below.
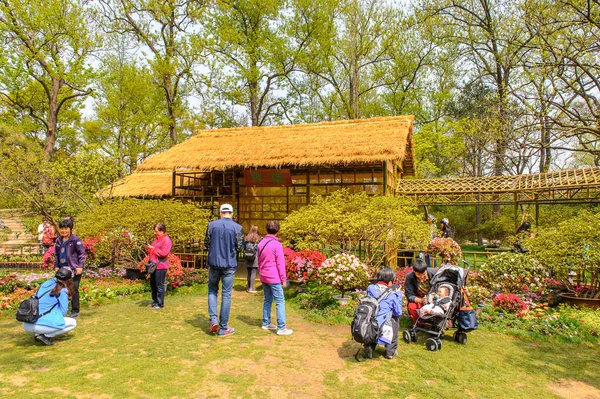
(288, 253)
(48, 259)
(175, 273)
(401, 275)
(448, 249)
(304, 265)
(509, 303)
(90, 247)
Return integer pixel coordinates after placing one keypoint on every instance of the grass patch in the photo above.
(126, 349)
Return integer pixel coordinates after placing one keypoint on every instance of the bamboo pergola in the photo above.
(564, 187)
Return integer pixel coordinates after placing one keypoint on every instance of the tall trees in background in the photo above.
(172, 32)
(497, 86)
(44, 63)
(129, 112)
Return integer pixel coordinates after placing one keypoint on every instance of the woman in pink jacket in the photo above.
(159, 252)
(271, 267)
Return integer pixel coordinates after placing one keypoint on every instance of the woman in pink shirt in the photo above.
(271, 267)
(159, 252)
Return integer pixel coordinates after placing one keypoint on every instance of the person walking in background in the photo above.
(69, 253)
(446, 229)
(159, 253)
(250, 250)
(48, 236)
(41, 230)
(54, 296)
(433, 234)
(271, 267)
(224, 238)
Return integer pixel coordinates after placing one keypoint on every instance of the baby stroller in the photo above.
(454, 278)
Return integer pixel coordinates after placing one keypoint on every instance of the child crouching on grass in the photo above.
(390, 309)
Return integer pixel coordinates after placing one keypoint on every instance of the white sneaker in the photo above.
(270, 327)
(285, 331)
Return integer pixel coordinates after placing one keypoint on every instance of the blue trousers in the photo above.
(225, 276)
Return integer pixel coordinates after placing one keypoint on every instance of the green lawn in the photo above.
(127, 350)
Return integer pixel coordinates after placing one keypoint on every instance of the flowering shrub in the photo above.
(401, 275)
(565, 323)
(519, 274)
(509, 303)
(48, 259)
(304, 265)
(103, 272)
(13, 299)
(90, 247)
(510, 272)
(20, 258)
(448, 249)
(94, 291)
(479, 294)
(344, 272)
(175, 273)
(16, 287)
(287, 253)
(11, 282)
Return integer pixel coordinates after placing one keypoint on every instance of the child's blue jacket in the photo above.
(390, 306)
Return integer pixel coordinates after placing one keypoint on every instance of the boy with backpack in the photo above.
(376, 318)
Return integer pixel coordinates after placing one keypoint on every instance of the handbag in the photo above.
(150, 267)
(29, 309)
(467, 321)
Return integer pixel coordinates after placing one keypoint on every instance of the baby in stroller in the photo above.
(439, 303)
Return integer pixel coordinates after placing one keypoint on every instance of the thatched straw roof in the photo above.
(141, 185)
(331, 143)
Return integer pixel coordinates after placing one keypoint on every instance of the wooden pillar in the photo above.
(537, 214)
(307, 186)
(385, 178)
(516, 211)
(173, 184)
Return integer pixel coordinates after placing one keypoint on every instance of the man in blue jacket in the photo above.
(224, 238)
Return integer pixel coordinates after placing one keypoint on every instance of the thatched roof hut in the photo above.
(317, 145)
(141, 185)
(329, 143)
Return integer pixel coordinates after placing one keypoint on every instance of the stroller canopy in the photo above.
(449, 274)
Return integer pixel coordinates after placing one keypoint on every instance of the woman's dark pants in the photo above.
(157, 284)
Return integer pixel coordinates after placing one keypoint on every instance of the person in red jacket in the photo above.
(159, 252)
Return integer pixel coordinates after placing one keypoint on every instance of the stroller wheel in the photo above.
(438, 342)
(406, 336)
(413, 336)
(431, 344)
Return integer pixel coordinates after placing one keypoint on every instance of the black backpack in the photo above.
(29, 309)
(364, 327)
(250, 251)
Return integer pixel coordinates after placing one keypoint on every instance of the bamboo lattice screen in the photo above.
(567, 186)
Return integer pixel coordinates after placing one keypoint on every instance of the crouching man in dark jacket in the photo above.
(224, 238)
(416, 287)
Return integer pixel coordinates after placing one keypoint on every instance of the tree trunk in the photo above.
(52, 119)
(254, 102)
(170, 97)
